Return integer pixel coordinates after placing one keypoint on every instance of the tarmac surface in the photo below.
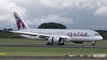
(51, 46)
(47, 57)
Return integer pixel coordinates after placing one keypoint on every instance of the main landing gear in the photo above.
(48, 43)
(93, 43)
(61, 44)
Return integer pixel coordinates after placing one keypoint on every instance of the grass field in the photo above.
(45, 51)
(38, 51)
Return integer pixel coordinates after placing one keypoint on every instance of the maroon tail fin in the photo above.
(20, 24)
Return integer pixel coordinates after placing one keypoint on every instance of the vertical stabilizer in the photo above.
(20, 23)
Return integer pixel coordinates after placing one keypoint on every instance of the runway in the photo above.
(48, 57)
(51, 46)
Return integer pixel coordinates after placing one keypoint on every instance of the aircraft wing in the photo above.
(42, 36)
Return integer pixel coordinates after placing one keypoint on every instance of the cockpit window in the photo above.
(97, 34)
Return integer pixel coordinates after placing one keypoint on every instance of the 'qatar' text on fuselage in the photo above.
(77, 34)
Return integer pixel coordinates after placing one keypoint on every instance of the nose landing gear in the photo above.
(93, 43)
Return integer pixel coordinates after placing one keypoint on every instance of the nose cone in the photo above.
(100, 38)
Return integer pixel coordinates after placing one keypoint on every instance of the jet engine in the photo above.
(55, 40)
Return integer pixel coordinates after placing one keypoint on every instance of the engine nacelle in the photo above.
(55, 39)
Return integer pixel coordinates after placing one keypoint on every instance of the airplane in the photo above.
(56, 36)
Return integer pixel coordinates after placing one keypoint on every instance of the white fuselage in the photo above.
(70, 34)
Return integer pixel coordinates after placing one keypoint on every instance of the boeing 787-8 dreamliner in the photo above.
(56, 36)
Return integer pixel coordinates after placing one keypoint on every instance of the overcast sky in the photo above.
(75, 14)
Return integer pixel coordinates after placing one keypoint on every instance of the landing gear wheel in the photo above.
(48, 43)
(61, 44)
(93, 44)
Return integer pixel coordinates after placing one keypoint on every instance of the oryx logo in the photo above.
(20, 24)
